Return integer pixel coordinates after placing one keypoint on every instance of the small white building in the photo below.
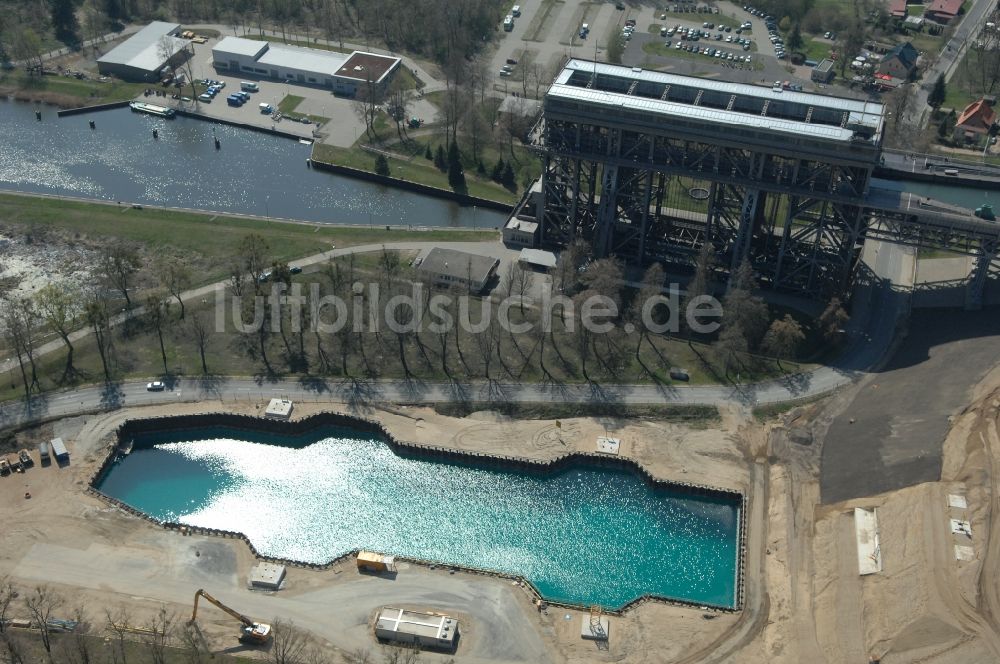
(428, 630)
(520, 232)
(538, 259)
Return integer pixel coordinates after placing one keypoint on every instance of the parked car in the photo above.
(155, 386)
(511, 61)
(205, 97)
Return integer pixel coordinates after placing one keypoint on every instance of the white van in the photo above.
(516, 10)
(249, 87)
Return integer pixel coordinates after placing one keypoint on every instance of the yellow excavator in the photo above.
(252, 632)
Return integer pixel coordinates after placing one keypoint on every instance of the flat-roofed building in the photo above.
(145, 55)
(450, 267)
(429, 630)
(823, 72)
(343, 73)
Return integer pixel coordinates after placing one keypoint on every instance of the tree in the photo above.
(118, 263)
(795, 38)
(159, 634)
(175, 278)
(254, 260)
(288, 644)
(783, 338)
(8, 593)
(652, 287)
(440, 160)
(497, 174)
(99, 318)
(382, 165)
(508, 180)
(605, 277)
(58, 308)
(198, 325)
(730, 345)
(42, 602)
(118, 622)
(456, 175)
(938, 93)
(64, 21)
(832, 322)
(742, 309)
(519, 281)
(701, 282)
(18, 318)
(428, 155)
(157, 312)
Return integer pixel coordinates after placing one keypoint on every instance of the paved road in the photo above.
(890, 435)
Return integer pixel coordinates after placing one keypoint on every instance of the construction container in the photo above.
(428, 630)
(59, 450)
(369, 561)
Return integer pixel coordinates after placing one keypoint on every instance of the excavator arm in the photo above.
(252, 631)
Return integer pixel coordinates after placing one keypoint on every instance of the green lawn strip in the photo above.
(416, 169)
(189, 233)
(67, 89)
(290, 103)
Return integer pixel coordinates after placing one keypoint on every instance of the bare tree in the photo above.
(255, 259)
(157, 313)
(119, 262)
(175, 278)
(57, 306)
(99, 318)
(8, 593)
(18, 318)
(288, 644)
(519, 281)
(118, 622)
(78, 648)
(832, 322)
(199, 328)
(41, 603)
(158, 636)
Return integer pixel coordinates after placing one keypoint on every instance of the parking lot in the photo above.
(343, 128)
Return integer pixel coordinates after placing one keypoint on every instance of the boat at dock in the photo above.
(152, 109)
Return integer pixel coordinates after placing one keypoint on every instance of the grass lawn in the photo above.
(68, 91)
(815, 49)
(289, 103)
(415, 169)
(211, 237)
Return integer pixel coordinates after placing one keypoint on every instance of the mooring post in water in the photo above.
(93, 125)
(217, 144)
(156, 134)
(38, 115)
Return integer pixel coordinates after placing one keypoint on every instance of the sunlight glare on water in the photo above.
(583, 535)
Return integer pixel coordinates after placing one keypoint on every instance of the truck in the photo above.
(43, 453)
(255, 633)
(249, 86)
(508, 23)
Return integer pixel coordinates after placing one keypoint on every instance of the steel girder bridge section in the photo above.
(649, 196)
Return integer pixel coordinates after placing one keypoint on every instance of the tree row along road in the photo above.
(878, 307)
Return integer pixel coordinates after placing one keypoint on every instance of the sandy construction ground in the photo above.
(805, 600)
(101, 557)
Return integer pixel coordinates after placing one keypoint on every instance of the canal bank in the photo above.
(253, 173)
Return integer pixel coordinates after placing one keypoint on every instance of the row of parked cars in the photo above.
(711, 52)
(772, 30)
(236, 98)
(694, 34)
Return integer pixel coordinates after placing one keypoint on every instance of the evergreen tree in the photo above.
(795, 38)
(497, 174)
(481, 169)
(508, 177)
(382, 165)
(937, 94)
(428, 155)
(64, 21)
(440, 160)
(456, 176)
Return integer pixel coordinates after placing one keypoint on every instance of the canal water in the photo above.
(253, 172)
(585, 536)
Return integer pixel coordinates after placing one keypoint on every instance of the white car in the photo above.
(155, 386)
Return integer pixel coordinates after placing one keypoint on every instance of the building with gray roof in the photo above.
(344, 73)
(145, 55)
